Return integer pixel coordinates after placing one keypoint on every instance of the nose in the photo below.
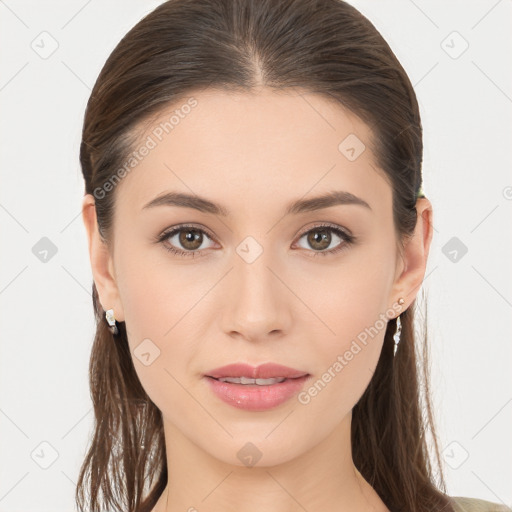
(256, 304)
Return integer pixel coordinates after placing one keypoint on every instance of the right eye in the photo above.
(189, 237)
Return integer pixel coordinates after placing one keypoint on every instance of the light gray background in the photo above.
(46, 308)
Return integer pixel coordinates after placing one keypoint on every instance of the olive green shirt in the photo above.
(475, 505)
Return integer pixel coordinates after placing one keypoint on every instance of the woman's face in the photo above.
(260, 284)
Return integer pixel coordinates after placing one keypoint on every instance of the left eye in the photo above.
(319, 237)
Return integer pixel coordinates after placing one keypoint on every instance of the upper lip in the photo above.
(263, 371)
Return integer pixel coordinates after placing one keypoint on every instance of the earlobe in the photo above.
(415, 254)
(101, 261)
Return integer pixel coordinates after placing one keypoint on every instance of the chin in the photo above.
(254, 447)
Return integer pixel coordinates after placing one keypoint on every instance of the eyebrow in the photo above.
(334, 198)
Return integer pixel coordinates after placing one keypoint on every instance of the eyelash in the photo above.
(348, 239)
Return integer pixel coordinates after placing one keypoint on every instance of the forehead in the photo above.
(244, 147)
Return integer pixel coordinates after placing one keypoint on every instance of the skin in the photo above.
(255, 153)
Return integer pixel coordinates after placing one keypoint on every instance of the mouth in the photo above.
(247, 381)
(247, 374)
(256, 388)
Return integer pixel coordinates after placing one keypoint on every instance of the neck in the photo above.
(322, 478)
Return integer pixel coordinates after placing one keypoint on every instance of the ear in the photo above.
(413, 262)
(101, 261)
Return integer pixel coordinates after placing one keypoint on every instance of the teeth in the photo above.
(246, 380)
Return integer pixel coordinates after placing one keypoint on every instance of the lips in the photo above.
(263, 371)
(256, 388)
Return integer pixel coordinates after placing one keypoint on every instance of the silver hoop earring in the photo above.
(109, 315)
(396, 336)
(398, 332)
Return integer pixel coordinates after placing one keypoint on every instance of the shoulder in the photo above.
(462, 504)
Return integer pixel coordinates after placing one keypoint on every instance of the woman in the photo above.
(258, 236)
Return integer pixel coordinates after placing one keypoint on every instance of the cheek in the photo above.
(352, 296)
(163, 306)
(345, 362)
(353, 304)
(157, 294)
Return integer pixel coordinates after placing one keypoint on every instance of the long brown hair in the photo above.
(322, 46)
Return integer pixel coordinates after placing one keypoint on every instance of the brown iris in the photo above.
(314, 238)
(191, 236)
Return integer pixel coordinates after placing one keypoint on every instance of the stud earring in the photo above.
(398, 332)
(109, 315)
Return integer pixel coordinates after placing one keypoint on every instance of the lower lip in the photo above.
(253, 397)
